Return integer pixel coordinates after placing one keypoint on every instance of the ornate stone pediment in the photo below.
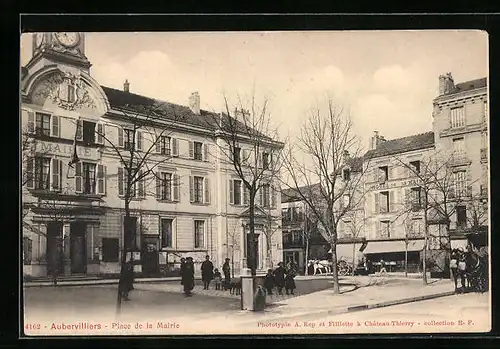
(67, 90)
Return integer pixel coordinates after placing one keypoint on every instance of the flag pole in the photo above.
(74, 157)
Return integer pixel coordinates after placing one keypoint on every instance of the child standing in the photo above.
(217, 279)
(269, 282)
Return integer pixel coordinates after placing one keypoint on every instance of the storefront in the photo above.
(395, 253)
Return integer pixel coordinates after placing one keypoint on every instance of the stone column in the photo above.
(67, 248)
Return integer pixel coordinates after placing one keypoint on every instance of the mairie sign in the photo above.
(65, 149)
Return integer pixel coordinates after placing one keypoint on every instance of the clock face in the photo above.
(39, 39)
(68, 39)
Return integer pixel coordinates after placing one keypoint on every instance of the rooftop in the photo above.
(402, 145)
(134, 103)
(292, 194)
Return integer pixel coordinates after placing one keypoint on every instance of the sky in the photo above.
(385, 79)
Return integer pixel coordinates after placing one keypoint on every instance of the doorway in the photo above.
(55, 264)
(150, 262)
(78, 248)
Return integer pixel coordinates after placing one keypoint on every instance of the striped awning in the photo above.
(459, 244)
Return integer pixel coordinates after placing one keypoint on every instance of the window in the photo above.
(385, 229)
(460, 183)
(383, 174)
(415, 166)
(237, 192)
(199, 234)
(384, 202)
(42, 124)
(416, 198)
(461, 216)
(165, 186)
(265, 191)
(347, 225)
(458, 147)
(138, 188)
(198, 151)
(166, 233)
(198, 189)
(346, 174)
(42, 173)
(128, 139)
(90, 178)
(457, 117)
(110, 249)
(417, 228)
(163, 145)
(89, 132)
(71, 94)
(237, 155)
(265, 161)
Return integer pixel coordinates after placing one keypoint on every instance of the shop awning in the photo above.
(393, 246)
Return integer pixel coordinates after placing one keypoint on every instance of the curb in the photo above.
(28, 284)
(344, 310)
(400, 301)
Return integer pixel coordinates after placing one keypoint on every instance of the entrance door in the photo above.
(54, 248)
(150, 263)
(255, 257)
(78, 248)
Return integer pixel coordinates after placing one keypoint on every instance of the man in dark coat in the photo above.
(291, 272)
(187, 273)
(207, 272)
(126, 282)
(226, 269)
(183, 265)
(279, 277)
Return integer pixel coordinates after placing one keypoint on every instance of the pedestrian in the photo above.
(126, 282)
(289, 278)
(382, 267)
(181, 270)
(226, 269)
(188, 276)
(269, 282)
(207, 272)
(217, 279)
(279, 277)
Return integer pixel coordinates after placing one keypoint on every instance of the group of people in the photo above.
(208, 273)
(280, 278)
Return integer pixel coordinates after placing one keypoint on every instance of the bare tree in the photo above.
(438, 191)
(328, 140)
(355, 222)
(271, 226)
(247, 142)
(143, 144)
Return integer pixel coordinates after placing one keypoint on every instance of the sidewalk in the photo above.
(100, 281)
(370, 292)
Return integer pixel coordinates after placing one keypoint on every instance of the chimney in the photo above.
(376, 140)
(446, 84)
(126, 86)
(194, 103)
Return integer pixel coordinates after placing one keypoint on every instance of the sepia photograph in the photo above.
(258, 182)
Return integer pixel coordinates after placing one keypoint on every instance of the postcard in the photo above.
(298, 182)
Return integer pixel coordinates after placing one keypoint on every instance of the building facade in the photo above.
(186, 203)
(388, 222)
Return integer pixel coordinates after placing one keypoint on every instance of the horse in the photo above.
(322, 266)
(458, 267)
(476, 271)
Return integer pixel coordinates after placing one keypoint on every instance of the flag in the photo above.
(74, 157)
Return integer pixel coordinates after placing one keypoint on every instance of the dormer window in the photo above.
(383, 174)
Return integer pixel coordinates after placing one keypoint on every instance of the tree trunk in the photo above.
(353, 258)
(252, 254)
(307, 258)
(406, 258)
(426, 234)
(335, 274)
(126, 238)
